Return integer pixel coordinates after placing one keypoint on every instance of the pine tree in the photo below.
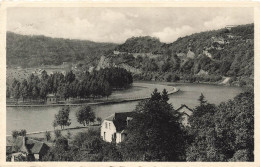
(155, 95)
(165, 97)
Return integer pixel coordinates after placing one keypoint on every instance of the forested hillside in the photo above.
(201, 57)
(205, 56)
(31, 51)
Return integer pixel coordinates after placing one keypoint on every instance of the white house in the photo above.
(186, 113)
(114, 126)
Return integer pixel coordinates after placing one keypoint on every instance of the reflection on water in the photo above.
(40, 118)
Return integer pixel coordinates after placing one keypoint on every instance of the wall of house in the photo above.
(108, 130)
(118, 137)
(185, 121)
(37, 157)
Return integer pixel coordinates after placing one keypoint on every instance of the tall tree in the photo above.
(85, 115)
(62, 118)
(155, 133)
(16, 92)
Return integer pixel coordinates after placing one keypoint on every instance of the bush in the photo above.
(15, 134)
(57, 133)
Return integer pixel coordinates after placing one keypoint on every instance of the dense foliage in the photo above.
(62, 118)
(85, 115)
(97, 84)
(218, 53)
(155, 133)
(145, 44)
(223, 133)
(85, 146)
(32, 51)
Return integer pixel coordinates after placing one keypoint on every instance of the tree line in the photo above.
(96, 84)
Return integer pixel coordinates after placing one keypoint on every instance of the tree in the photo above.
(15, 134)
(155, 95)
(110, 152)
(107, 89)
(24, 92)
(62, 118)
(43, 91)
(48, 135)
(60, 151)
(202, 99)
(99, 119)
(165, 97)
(57, 134)
(236, 137)
(68, 136)
(155, 133)
(44, 76)
(16, 93)
(85, 115)
(202, 135)
(22, 132)
(54, 124)
(223, 133)
(35, 92)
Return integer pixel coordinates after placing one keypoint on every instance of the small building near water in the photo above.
(51, 99)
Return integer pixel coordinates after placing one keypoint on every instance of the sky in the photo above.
(117, 24)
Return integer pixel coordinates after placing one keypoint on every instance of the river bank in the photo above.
(126, 97)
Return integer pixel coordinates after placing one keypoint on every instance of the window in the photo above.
(109, 125)
(106, 125)
(104, 136)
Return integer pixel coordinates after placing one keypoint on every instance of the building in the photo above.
(114, 126)
(51, 99)
(186, 113)
(28, 149)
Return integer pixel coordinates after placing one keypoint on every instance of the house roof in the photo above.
(31, 146)
(119, 120)
(184, 106)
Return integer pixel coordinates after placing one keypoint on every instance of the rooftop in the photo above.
(120, 119)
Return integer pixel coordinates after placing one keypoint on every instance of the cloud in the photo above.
(218, 22)
(171, 34)
(118, 24)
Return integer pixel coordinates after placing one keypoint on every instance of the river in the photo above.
(40, 118)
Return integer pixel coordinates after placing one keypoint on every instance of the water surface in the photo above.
(40, 118)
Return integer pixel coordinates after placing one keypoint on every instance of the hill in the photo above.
(32, 51)
(209, 56)
(205, 56)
